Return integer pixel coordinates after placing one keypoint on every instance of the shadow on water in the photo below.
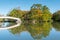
(37, 31)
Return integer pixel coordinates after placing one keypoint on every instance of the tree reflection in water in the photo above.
(56, 25)
(37, 31)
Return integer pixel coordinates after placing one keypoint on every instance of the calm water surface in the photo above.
(38, 31)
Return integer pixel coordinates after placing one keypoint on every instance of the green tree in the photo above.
(36, 12)
(56, 16)
(46, 14)
(16, 13)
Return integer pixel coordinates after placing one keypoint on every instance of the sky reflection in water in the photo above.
(38, 31)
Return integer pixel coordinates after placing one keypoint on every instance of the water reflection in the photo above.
(6, 24)
(30, 31)
(56, 25)
(37, 31)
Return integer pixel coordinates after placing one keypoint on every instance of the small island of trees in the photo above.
(37, 13)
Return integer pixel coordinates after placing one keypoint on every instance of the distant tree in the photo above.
(56, 16)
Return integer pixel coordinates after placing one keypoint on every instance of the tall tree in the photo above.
(46, 14)
(36, 11)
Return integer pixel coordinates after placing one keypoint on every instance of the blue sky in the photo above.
(7, 5)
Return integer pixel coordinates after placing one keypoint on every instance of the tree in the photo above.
(46, 14)
(56, 16)
(36, 11)
(16, 13)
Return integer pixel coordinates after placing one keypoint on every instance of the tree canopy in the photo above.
(56, 16)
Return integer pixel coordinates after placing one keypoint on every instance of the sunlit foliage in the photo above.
(37, 12)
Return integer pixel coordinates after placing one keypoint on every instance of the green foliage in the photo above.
(56, 16)
(16, 13)
(46, 14)
(40, 12)
(37, 12)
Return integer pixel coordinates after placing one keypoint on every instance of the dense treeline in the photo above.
(37, 13)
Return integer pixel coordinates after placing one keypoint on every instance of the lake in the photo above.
(30, 31)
